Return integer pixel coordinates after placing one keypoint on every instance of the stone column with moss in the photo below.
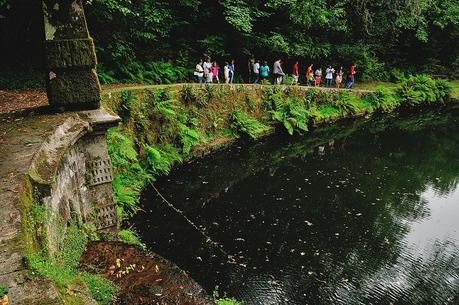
(72, 81)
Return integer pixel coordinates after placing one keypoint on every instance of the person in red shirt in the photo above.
(295, 74)
(351, 81)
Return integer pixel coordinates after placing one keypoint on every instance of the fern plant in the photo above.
(346, 103)
(189, 137)
(292, 114)
(242, 124)
(128, 175)
(422, 89)
(383, 99)
(159, 159)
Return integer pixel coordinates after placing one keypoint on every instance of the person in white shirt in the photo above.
(208, 70)
(226, 72)
(256, 72)
(199, 72)
(329, 76)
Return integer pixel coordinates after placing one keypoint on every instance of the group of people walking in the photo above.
(314, 78)
(208, 72)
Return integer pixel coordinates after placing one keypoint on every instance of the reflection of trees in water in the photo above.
(391, 167)
(430, 279)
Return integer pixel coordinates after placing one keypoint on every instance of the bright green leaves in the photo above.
(421, 89)
(292, 113)
(244, 125)
(238, 15)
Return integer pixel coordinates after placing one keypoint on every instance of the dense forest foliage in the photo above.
(161, 40)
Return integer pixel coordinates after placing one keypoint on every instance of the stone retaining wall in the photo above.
(71, 177)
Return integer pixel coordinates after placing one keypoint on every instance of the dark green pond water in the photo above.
(363, 212)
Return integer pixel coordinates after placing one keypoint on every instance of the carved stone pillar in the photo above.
(72, 81)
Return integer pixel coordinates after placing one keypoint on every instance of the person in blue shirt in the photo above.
(264, 71)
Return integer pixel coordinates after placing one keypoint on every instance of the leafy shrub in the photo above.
(346, 103)
(292, 114)
(444, 90)
(397, 75)
(159, 159)
(272, 96)
(242, 124)
(422, 89)
(128, 175)
(189, 137)
(146, 73)
(383, 99)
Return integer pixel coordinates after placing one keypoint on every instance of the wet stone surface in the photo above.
(364, 213)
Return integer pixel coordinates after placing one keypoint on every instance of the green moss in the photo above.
(70, 53)
(62, 269)
(74, 88)
(131, 237)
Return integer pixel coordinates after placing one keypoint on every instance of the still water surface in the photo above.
(363, 212)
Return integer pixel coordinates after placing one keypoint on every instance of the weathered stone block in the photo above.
(71, 53)
(74, 89)
(64, 19)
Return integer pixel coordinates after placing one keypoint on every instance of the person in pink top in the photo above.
(215, 69)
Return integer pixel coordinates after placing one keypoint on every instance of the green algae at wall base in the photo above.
(164, 125)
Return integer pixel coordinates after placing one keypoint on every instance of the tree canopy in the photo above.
(380, 35)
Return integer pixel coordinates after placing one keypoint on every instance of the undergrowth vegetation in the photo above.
(62, 269)
(163, 126)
